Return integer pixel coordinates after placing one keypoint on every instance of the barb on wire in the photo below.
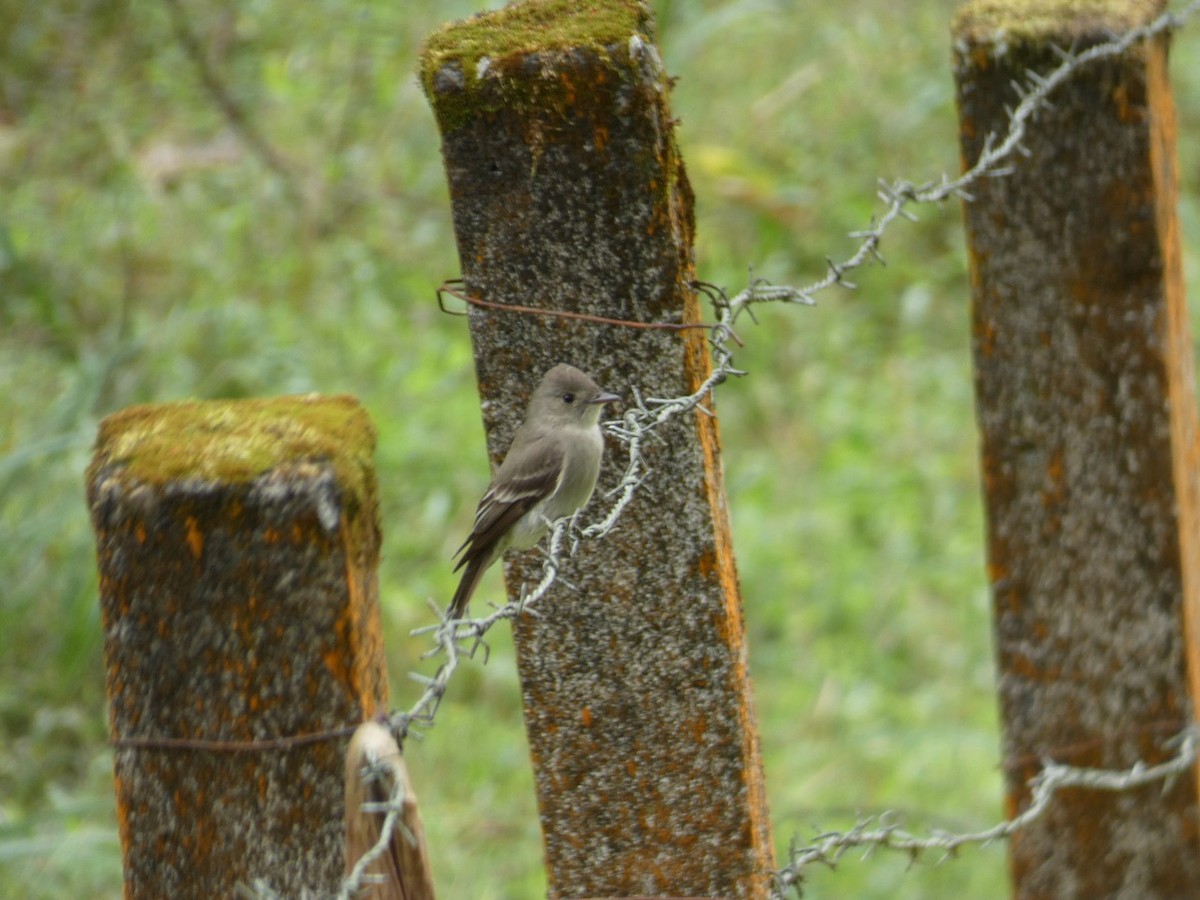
(828, 848)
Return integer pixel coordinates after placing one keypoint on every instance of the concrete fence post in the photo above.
(1087, 414)
(568, 193)
(238, 544)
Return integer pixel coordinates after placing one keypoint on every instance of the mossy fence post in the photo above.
(568, 193)
(1086, 407)
(238, 544)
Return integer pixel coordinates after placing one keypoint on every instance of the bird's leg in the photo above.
(574, 531)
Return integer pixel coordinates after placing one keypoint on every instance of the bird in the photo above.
(550, 471)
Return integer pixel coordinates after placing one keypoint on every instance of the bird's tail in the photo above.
(474, 570)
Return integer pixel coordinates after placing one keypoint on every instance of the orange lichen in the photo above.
(195, 539)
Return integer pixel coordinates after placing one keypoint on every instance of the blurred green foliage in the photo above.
(145, 255)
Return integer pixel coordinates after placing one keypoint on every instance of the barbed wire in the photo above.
(647, 414)
(829, 847)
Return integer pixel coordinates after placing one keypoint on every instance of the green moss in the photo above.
(235, 441)
(1021, 21)
(498, 42)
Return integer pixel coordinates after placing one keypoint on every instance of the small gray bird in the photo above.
(550, 472)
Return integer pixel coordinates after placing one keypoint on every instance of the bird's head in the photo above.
(568, 397)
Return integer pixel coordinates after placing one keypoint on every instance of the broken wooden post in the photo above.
(238, 544)
(376, 781)
(1086, 408)
(569, 193)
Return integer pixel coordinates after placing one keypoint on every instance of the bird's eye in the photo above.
(568, 398)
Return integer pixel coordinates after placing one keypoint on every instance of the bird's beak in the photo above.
(604, 398)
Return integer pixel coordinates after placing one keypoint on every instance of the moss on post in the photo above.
(1002, 24)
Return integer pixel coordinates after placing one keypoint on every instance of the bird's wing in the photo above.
(514, 491)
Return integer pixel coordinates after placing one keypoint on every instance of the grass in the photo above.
(850, 450)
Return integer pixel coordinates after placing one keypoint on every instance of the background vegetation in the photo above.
(145, 257)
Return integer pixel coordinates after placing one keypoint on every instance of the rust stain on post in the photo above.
(569, 193)
(238, 543)
(1086, 408)
(1185, 435)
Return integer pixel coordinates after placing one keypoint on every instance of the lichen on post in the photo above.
(1086, 408)
(568, 192)
(237, 544)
